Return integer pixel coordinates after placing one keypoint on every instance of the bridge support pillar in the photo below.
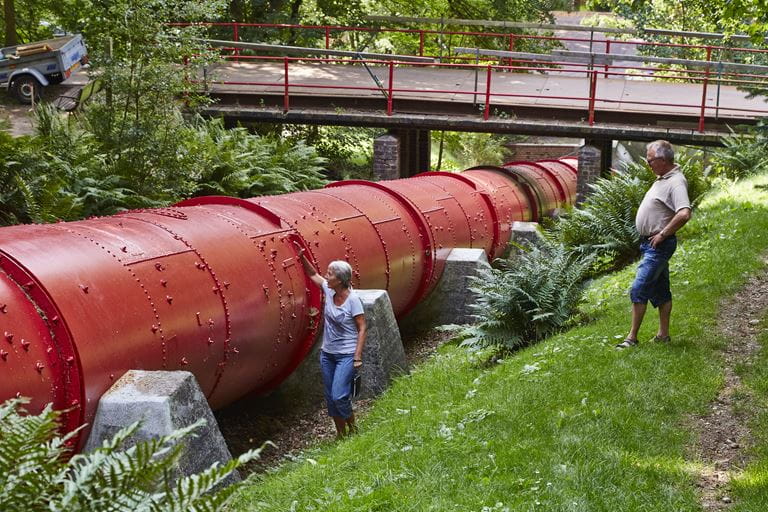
(386, 157)
(594, 161)
(400, 154)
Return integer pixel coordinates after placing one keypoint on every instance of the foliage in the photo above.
(462, 150)
(234, 162)
(37, 473)
(349, 151)
(532, 295)
(743, 154)
(66, 171)
(604, 225)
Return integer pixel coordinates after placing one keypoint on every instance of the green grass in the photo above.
(750, 488)
(569, 424)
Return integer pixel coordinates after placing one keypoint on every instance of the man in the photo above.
(664, 210)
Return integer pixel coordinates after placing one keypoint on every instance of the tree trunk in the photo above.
(9, 13)
(236, 10)
(294, 19)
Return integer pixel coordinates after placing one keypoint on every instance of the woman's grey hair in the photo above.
(662, 149)
(343, 272)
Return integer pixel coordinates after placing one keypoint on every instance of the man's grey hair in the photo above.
(343, 272)
(662, 149)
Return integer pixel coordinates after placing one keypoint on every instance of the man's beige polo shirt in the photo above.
(667, 196)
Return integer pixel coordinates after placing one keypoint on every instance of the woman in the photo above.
(344, 329)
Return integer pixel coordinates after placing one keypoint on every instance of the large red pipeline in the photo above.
(212, 285)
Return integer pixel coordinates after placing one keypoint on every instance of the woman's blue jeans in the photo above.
(652, 279)
(338, 372)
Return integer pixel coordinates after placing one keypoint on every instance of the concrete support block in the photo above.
(163, 402)
(525, 234)
(384, 356)
(590, 165)
(386, 158)
(449, 302)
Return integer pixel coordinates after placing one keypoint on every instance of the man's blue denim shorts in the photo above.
(652, 279)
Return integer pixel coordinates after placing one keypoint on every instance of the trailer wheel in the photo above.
(26, 88)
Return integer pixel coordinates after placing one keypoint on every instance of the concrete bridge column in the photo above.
(400, 154)
(594, 161)
(386, 157)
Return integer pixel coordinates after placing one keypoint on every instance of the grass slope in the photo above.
(569, 424)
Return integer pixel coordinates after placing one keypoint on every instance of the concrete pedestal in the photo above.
(524, 234)
(590, 166)
(163, 402)
(449, 302)
(384, 356)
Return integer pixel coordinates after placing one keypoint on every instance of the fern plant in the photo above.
(604, 225)
(527, 298)
(36, 473)
(742, 154)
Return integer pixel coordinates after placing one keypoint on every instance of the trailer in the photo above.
(26, 69)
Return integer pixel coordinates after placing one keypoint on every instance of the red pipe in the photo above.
(212, 285)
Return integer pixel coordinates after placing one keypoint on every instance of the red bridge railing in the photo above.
(710, 76)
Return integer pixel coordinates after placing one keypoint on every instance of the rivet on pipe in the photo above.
(124, 248)
(84, 288)
(226, 284)
(169, 299)
(235, 350)
(159, 267)
(25, 344)
(8, 337)
(39, 367)
(210, 341)
(55, 319)
(4, 308)
(154, 328)
(49, 350)
(184, 361)
(3, 355)
(198, 319)
(163, 282)
(70, 360)
(210, 322)
(111, 376)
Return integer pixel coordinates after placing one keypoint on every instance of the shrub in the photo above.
(528, 298)
(36, 473)
(604, 225)
(742, 154)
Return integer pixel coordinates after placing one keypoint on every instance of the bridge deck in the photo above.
(457, 86)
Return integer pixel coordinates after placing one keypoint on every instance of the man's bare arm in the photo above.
(682, 216)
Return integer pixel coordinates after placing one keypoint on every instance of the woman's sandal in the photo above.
(662, 339)
(627, 343)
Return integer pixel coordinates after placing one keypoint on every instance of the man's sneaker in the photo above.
(662, 339)
(627, 343)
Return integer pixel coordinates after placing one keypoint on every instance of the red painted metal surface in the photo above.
(509, 201)
(474, 220)
(548, 190)
(213, 286)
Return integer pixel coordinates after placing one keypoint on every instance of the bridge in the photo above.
(599, 90)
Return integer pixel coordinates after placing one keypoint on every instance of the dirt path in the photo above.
(723, 432)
